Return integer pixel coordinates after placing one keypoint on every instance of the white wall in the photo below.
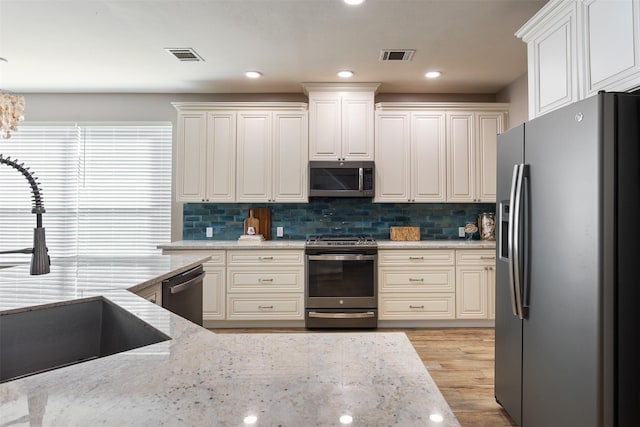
(516, 94)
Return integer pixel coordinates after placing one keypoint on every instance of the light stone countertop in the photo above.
(299, 244)
(201, 378)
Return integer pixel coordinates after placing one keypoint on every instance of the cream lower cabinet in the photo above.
(265, 285)
(416, 284)
(475, 284)
(152, 293)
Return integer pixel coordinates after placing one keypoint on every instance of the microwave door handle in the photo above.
(361, 180)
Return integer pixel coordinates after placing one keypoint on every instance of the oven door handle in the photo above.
(363, 315)
(342, 257)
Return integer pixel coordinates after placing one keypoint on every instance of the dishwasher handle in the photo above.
(181, 287)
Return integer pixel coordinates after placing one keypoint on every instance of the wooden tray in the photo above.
(404, 233)
(264, 216)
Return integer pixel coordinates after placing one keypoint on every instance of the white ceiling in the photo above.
(118, 45)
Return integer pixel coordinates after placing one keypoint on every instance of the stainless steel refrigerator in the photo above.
(568, 262)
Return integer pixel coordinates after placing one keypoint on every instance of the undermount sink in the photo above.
(52, 336)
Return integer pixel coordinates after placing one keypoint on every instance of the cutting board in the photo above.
(252, 221)
(404, 233)
(264, 217)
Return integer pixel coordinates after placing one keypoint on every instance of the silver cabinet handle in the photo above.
(416, 257)
(265, 307)
(415, 280)
(416, 306)
(487, 257)
(262, 258)
(265, 280)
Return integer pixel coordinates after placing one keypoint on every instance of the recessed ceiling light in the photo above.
(253, 74)
(354, 2)
(433, 74)
(345, 74)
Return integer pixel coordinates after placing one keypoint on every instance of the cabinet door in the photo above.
(325, 116)
(488, 127)
(357, 126)
(471, 292)
(553, 73)
(392, 158)
(460, 157)
(191, 157)
(428, 157)
(213, 293)
(221, 156)
(612, 45)
(254, 156)
(290, 154)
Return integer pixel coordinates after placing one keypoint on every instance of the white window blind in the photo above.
(106, 189)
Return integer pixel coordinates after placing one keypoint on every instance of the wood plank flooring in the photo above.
(460, 361)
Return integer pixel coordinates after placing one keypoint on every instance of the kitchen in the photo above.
(150, 107)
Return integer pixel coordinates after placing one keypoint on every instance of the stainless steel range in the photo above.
(341, 288)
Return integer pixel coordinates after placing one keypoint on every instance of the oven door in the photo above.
(342, 281)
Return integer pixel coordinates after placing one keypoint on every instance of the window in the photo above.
(106, 189)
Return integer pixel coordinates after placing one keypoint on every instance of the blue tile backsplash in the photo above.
(437, 221)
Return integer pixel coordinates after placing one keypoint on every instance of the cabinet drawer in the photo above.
(402, 257)
(415, 307)
(217, 257)
(265, 280)
(262, 257)
(426, 279)
(256, 307)
(475, 257)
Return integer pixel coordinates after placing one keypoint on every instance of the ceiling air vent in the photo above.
(397, 54)
(185, 54)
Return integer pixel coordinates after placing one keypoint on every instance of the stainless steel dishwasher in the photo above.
(182, 294)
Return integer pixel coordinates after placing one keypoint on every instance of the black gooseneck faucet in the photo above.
(40, 261)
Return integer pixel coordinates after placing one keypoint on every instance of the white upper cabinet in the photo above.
(341, 121)
(460, 157)
(242, 152)
(579, 47)
(272, 156)
(205, 156)
(437, 152)
(611, 34)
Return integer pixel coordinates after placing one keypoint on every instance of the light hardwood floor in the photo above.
(460, 361)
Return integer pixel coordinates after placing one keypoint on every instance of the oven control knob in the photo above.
(341, 302)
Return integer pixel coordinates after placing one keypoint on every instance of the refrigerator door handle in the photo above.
(518, 268)
(510, 239)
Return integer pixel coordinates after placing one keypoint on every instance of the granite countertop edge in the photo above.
(300, 244)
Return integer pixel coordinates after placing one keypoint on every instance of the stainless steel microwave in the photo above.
(341, 179)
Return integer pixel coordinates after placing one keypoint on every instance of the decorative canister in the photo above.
(487, 225)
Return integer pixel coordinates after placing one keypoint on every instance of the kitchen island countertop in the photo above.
(201, 378)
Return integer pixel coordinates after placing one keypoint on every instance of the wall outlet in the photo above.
(460, 231)
(209, 231)
(279, 231)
